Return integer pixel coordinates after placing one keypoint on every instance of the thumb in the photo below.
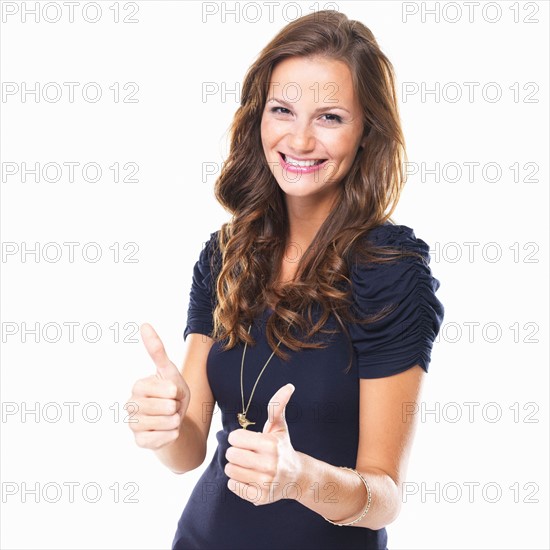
(276, 408)
(165, 368)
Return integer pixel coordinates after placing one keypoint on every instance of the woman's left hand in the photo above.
(264, 467)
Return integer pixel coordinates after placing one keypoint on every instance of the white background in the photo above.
(171, 211)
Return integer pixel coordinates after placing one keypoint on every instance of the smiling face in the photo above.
(311, 126)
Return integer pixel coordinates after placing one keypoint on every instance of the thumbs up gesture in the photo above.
(264, 467)
(162, 399)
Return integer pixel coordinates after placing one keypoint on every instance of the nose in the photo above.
(301, 137)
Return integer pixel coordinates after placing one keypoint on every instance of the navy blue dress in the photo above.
(323, 412)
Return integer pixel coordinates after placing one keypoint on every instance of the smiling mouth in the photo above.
(301, 163)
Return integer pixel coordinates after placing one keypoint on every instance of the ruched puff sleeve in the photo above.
(404, 337)
(201, 297)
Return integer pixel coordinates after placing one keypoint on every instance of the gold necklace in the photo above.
(241, 417)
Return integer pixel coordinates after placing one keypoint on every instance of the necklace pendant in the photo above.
(243, 421)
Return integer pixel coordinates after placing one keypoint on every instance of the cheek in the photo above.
(344, 148)
(266, 130)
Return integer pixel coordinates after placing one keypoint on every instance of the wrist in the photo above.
(356, 517)
(304, 474)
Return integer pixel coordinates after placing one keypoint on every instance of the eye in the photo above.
(335, 118)
(276, 110)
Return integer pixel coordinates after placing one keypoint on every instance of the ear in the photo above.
(365, 136)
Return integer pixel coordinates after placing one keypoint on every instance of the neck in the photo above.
(305, 217)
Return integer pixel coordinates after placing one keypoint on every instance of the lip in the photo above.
(300, 169)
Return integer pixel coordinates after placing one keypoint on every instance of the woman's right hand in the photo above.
(162, 399)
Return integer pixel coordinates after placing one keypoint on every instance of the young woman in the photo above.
(311, 314)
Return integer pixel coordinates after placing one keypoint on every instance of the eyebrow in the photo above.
(318, 110)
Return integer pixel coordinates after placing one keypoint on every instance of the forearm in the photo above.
(187, 452)
(341, 496)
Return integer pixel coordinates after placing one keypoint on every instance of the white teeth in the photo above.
(302, 163)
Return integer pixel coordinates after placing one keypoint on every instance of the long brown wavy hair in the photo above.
(253, 242)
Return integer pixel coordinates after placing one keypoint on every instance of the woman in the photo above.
(311, 315)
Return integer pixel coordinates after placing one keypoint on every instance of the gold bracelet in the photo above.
(368, 500)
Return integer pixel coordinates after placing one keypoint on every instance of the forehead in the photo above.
(322, 78)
